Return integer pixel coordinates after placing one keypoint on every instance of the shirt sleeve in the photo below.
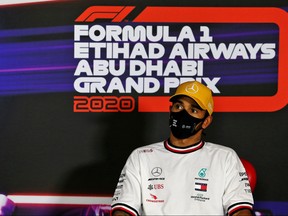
(127, 195)
(237, 194)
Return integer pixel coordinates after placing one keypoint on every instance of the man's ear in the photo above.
(208, 120)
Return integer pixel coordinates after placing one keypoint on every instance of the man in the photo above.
(184, 175)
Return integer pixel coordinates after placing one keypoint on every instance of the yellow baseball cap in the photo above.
(197, 91)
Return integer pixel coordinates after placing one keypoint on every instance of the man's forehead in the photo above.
(191, 101)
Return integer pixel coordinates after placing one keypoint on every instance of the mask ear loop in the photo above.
(196, 131)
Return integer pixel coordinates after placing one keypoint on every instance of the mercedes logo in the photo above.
(157, 171)
(192, 88)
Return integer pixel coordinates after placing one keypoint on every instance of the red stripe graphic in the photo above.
(225, 15)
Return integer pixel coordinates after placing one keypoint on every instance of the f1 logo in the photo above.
(115, 13)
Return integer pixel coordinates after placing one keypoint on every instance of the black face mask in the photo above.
(182, 124)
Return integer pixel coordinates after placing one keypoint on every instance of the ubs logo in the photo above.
(157, 171)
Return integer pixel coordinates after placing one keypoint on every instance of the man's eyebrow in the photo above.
(177, 100)
(195, 105)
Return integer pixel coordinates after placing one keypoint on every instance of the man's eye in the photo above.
(194, 110)
(178, 106)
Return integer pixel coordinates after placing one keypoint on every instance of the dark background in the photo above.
(46, 148)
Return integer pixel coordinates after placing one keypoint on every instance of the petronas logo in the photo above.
(202, 172)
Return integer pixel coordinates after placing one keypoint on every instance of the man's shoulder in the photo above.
(219, 147)
(155, 145)
(150, 147)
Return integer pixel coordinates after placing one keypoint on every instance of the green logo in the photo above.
(150, 187)
(202, 173)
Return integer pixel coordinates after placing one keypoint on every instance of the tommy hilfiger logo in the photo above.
(200, 187)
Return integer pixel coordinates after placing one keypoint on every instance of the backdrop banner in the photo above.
(83, 83)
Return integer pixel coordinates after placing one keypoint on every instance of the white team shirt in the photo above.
(203, 179)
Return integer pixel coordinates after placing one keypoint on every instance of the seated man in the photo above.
(184, 175)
